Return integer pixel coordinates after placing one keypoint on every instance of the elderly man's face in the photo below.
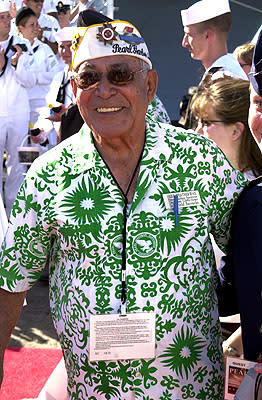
(115, 110)
(255, 116)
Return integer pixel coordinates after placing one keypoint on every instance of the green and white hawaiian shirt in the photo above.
(156, 110)
(70, 205)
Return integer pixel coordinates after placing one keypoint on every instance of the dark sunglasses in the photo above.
(86, 79)
(208, 122)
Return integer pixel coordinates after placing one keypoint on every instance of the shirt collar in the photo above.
(84, 149)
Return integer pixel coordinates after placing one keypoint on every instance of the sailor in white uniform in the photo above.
(43, 63)
(15, 78)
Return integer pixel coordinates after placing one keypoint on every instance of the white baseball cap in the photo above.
(4, 6)
(108, 39)
(204, 10)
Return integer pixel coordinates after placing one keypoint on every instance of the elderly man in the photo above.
(126, 207)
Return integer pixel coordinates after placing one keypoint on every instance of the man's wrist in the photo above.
(230, 350)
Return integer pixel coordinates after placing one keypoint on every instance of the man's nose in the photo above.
(184, 41)
(104, 88)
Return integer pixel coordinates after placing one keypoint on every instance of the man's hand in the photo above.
(14, 59)
(40, 33)
(10, 305)
(58, 115)
(12, 10)
(2, 58)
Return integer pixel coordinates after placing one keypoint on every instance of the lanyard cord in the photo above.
(124, 194)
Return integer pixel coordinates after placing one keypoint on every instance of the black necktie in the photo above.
(62, 90)
(6, 58)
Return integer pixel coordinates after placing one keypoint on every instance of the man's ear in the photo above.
(238, 130)
(152, 81)
(74, 87)
(209, 34)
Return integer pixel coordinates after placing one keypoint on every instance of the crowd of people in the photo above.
(128, 209)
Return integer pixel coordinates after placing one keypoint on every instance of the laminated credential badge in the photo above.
(185, 199)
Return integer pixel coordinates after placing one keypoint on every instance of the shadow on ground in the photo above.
(35, 327)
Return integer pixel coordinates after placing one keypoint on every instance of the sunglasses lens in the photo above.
(115, 76)
(120, 77)
(86, 79)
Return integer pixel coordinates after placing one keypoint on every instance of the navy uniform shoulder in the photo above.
(250, 197)
(253, 191)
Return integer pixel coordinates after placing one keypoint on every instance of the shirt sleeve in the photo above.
(27, 242)
(22, 73)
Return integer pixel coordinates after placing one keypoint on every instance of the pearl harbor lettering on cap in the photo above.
(107, 39)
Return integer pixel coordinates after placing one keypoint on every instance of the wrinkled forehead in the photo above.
(111, 62)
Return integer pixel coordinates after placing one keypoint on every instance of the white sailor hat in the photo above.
(64, 34)
(204, 10)
(108, 39)
(4, 6)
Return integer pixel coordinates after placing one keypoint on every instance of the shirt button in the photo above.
(138, 374)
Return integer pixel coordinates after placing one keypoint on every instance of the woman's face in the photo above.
(246, 67)
(30, 30)
(212, 127)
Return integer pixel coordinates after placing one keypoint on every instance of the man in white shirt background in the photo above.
(206, 27)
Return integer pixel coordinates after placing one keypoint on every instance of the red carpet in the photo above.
(26, 370)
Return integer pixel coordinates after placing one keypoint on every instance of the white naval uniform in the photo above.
(52, 25)
(14, 117)
(44, 66)
(62, 77)
(49, 6)
(229, 66)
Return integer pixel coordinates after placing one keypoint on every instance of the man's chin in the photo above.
(193, 56)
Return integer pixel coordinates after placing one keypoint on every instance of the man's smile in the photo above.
(109, 109)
